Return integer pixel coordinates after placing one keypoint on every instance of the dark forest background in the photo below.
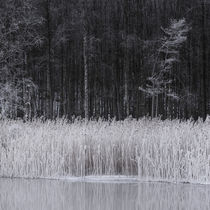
(105, 58)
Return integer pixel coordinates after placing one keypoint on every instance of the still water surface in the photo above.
(21, 194)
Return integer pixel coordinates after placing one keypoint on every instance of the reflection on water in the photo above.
(19, 194)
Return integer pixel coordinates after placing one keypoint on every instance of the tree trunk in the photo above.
(203, 74)
(49, 91)
(86, 98)
(126, 97)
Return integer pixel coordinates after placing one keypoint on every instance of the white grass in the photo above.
(153, 150)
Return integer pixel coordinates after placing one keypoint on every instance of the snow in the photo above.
(106, 151)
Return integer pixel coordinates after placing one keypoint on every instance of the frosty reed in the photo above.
(149, 149)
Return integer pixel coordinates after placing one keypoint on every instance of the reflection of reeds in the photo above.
(52, 194)
(154, 150)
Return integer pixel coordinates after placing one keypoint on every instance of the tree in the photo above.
(88, 57)
(18, 35)
(162, 79)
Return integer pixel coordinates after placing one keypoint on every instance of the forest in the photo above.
(105, 59)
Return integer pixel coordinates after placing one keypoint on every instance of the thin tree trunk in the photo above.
(156, 111)
(203, 76)
(49, 91)
(126, 98)
(86, 100)
(153, 106)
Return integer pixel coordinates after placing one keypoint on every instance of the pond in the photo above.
(25, 194)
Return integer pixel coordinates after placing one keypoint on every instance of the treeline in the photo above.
(102, 58)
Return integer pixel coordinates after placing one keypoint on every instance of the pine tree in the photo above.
(162, 79)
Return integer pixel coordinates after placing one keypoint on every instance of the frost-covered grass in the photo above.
(153, 150)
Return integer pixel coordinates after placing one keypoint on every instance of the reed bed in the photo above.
(150, 149)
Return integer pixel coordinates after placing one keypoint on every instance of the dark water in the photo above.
(20, 194)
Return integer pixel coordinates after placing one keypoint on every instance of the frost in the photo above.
(151, 150)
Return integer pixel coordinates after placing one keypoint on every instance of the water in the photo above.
(21, 194)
